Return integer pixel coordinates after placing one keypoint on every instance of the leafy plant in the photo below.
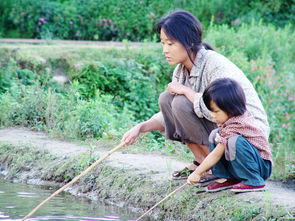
(133, 20)
(126, 80)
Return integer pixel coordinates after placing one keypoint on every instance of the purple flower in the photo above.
(287, 116)
(106, 20)
(152, 15)
(43, 20)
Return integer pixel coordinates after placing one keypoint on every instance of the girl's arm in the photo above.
(209, 161)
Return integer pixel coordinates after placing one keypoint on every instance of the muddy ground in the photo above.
(136, 181)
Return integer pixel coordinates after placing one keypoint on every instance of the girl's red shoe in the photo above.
(241, 188)
(218, 186)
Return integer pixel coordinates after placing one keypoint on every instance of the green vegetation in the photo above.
(109, 90)
(133, 19)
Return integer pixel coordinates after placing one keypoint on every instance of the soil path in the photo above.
(161, 165)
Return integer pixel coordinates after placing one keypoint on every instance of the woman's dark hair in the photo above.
(228, 96)
(182, 26)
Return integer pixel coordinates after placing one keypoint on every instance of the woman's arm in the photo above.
(209, 161)
(132, 135)
(178, 88)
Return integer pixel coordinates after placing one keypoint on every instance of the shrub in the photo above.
(124, 79)
(66, 115)
(133, 19)
(10, 74)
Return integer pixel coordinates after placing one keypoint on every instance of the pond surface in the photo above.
(17, 200)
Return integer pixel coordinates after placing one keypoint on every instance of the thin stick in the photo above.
(74, 180)
(166, 197)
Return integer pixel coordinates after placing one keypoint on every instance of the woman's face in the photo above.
(174, 51)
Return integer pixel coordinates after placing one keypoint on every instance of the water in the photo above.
(17, 200)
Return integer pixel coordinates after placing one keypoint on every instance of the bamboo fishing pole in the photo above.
(166, 197)
(74, 180)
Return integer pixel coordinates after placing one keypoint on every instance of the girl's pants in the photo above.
(247, 166)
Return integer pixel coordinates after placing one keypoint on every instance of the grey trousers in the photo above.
(181, 122)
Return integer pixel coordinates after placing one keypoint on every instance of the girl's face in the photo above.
(218, 115)
(174, 51)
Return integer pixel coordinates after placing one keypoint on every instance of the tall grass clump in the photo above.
(65, 115)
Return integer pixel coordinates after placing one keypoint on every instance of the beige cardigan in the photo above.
(209, 66)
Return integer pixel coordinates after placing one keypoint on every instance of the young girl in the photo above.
(239, 149)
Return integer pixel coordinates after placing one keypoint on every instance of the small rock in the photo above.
(60, 79)
(237, 21)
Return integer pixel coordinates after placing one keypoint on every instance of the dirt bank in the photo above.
(134, 180)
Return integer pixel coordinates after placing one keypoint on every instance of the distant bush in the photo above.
(7, 75)
(10, 73)
(133, 19)
(127, 81)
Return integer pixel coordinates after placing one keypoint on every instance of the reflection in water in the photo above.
(68, 217)
(17, 200)
(26, 194)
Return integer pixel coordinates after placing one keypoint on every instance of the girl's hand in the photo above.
(131, 136)
(176, 88)
(193, 178)
(217, 138)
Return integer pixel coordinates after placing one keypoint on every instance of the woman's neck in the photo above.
(188, 64)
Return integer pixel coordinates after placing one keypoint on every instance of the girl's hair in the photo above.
(227, 94)
(182, 26)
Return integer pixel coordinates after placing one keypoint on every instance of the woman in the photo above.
(184, 117)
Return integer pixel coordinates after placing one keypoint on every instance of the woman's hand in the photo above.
(193, 178)
(131, 136)
(176, 88)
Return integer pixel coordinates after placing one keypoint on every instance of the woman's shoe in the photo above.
(206, 180)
